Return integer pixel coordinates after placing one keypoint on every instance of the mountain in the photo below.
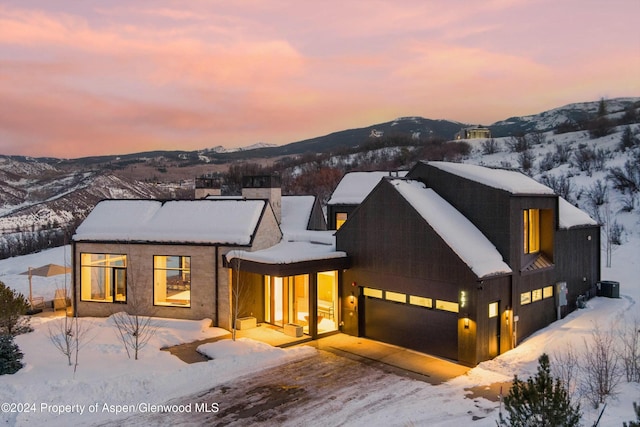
(43, 199)
(572, 113)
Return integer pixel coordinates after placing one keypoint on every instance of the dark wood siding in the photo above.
(317, 220)
(578, 261)
(393, 248)
(487, 208)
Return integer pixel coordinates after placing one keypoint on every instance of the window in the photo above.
(493, 310)
(421, 301)
(531, 228)
(525, 298)
(536, 295)
(447, 306)
(341, 218)
(172, 280)
(369, 292)
(395, 296)
(547, 292)
(103, 277)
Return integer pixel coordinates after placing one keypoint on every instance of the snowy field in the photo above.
(47, 391)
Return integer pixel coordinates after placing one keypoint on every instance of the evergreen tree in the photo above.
(13, 306)
(10, 355)
(600, 126)
(540, 401)
(636, 423)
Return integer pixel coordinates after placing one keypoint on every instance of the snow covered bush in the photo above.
(601, 368)
(10, 355)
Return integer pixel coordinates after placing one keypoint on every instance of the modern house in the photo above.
(456, 260)
(474, 132)
(463, 261)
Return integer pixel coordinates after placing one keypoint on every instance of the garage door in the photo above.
(418, 328)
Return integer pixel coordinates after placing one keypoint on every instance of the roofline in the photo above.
(288, 269)
(163, 243)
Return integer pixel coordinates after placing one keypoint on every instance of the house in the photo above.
(464, 260)
(169, 258)
(474, 132)
(456, 260)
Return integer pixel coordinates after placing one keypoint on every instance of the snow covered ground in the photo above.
(47, 391)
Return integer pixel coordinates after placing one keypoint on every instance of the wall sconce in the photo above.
(465, 321)
(352, 298)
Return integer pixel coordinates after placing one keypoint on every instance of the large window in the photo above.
(172, 280)
(103, 277)
(531, 230)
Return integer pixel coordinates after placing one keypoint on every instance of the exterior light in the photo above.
(466, 322)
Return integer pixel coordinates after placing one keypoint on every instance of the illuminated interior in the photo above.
(531, 230)
(287, 301)
(341, 218)
(172, 280)
(103, 277)
(327, 301)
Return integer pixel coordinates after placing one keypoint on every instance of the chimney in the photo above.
(264, 187)
(207, 185)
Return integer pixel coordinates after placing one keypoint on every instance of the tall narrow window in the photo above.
(103, 277)
(341, 218)
(531, 228)
(172, 280)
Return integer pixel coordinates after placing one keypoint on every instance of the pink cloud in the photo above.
(118, 77)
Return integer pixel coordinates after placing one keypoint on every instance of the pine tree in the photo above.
(13, 306)
(541, 401)
(636, 423)
(10, 355)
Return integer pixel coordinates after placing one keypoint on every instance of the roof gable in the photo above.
(355, 186)
(183, 221)
(464, 238)
(296, 212)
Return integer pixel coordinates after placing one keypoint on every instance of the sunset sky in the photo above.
(80, 78)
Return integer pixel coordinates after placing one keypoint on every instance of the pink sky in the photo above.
(81, 78)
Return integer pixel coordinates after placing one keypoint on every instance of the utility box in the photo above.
(609, 289)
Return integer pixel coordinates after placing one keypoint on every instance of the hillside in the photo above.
(42, 200)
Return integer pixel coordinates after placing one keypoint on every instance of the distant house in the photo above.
(456, 260)
(474, 132)
(463, 261)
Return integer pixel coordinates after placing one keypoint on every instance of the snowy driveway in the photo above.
(323, 389)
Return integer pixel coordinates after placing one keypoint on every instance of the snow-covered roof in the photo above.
(571, 216)
(464, 238)
(185, 221)
(289, 252)
(512, 181)
(355, 186)
(296, 212)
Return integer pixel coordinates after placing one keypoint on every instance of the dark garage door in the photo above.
(422, 329)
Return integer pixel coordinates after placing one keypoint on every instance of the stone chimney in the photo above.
(207, 185)
(264, 187)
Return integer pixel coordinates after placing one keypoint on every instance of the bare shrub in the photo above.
(566, 367)
(601, 369)
(518, 144)
(563, 153)
(68, 336)
(597, 194)
(629, 349)
(584, 159)
(547, 163)
(490, 146)
(134, 330)
(560, 184)
(525, 161)
(626, 179)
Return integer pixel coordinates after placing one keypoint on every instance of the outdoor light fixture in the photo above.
(352, 298)
(466, 322)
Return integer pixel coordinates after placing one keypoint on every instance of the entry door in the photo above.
(494, 329)
(278, 309)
